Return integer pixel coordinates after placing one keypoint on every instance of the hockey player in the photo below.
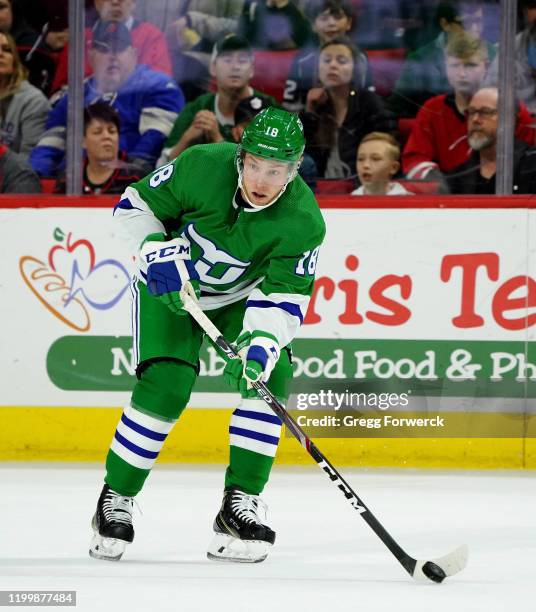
(235, 227)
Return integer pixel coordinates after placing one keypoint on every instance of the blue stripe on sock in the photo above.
(258, 416)
(135, 448)
(148, 433)
(254, 435)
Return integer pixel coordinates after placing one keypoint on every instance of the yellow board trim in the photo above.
(84, 434)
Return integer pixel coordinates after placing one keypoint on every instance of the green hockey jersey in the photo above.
(267, 255)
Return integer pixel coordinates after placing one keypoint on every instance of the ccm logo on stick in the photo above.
(350, 495)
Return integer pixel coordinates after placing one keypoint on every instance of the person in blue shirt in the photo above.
(147, 101)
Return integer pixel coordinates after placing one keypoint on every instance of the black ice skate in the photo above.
(112, 525)
(240, 534)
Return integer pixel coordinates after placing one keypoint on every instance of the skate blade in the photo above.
(107, 549)
(230, 549)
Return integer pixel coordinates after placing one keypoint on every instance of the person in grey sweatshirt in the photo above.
(16, 176)
(23, 107)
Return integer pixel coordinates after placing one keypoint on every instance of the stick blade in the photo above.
(436, 570)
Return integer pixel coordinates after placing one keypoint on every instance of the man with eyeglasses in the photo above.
(438, 140)
(477, 174)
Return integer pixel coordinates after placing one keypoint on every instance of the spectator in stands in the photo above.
(338, 114)
(105, 167)
(56, 36)
(201, 23)
(210, 117)
(147, 101)
(13, 21)
(274, 24)
(417, 23)
(149, 42)
(195, 26)
(477, 174)
(424, 73)
(192, 27)
(525, 74)
(41, 58)
(378, 162)
(438, 140)
(16, 176)
(331, 19)
(527, 9)
(23, 108)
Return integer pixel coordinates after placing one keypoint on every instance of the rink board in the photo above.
(67, 434)
(410, 287)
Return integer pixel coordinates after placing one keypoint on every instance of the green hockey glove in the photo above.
(258, 353)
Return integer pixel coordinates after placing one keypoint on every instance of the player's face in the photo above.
(233, 70)
(6, 57)
(465, 75)
(101, 141)
(112, 68)
(335, 66)
(263, 179)
(114, 10)
(375, 166)
(329, 25)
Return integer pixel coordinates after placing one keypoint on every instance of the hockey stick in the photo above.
(435, 570)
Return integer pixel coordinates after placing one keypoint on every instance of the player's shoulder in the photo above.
(216, 153)
(302, 211)
(206, 163)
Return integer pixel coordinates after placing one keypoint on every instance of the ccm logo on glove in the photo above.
(177, 248)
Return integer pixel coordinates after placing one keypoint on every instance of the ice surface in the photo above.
(326, 558)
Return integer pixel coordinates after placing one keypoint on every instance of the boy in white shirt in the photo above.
(377, 162)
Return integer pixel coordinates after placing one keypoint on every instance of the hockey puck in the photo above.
(433, 572)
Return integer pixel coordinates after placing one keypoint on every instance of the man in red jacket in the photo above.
(149, 42)
(438, 142)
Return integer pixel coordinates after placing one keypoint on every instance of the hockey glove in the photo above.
(170, 272)
(258, 353)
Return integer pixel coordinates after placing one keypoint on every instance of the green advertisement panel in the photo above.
(446, 368)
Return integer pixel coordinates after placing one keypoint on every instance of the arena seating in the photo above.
(386, 66)
(271, 71)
